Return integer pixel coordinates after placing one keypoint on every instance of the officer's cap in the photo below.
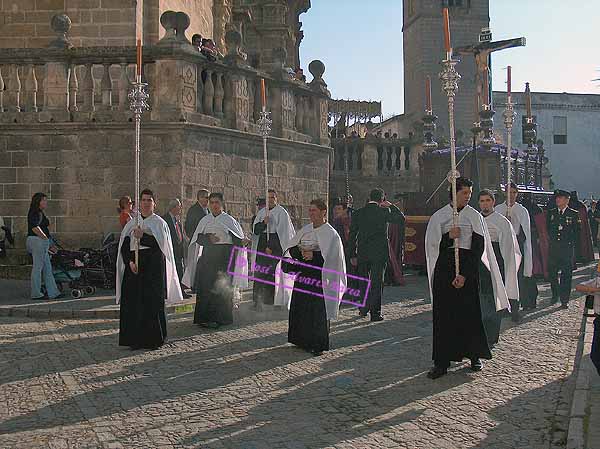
(560, 192)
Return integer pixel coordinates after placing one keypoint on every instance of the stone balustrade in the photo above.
(375, 156)
(65, 84)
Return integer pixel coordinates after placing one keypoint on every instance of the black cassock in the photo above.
(308, 324)
(262, 292)
(213, 286)
(458, 330)
(492, 319)
(143, 323)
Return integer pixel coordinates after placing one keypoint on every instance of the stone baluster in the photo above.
(1, 91)
(393, 159)
(13, 89)
(199, 90)
(30, 88)
(124, 86)
(106, 88)
(402, 155)
(219, 95)
(299, 114)
(87, 89)
(73, 88)
(209, 94)
(228, 107)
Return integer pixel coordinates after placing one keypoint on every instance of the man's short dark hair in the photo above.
(461, 182)
(513, 185)
(202, 193)
(487, 192)
(217, 195)
(376, 195)
(319, 203)
(147, 192)
(273, 191)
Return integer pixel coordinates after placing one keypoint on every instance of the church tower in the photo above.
(423, 38)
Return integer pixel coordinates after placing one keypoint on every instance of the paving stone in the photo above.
(66, 383)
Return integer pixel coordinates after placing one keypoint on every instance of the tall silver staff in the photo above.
(264, 126)
(509, 119)
(138, 103)
(449, 78)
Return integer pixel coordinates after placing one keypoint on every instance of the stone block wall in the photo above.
(26, 23)
(84, 168)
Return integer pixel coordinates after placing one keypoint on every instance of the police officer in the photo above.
(563, 230)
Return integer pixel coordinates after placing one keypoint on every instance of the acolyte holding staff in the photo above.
(457, 246)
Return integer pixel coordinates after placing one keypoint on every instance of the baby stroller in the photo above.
(86, 269)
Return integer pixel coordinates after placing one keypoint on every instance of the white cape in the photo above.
(160, 231)
(333, 274)
(228, 224)
(501, 231)
(468, 220)
(281, 223)
(519, 217)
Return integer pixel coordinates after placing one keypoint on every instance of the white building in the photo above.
(569, 125)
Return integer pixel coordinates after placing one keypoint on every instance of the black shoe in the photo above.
(377, 318)
(515, 315)
(362, 314)
(476, 365)
(186, 295)
(437, 372)
(316, 353)
(564, 306)
(213, 325)
(40, 298)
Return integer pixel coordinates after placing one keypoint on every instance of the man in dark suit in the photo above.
(563, 225)
(196, 212)
(173, 219)
(368, 246)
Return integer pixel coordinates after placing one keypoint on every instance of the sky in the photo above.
(360, 42)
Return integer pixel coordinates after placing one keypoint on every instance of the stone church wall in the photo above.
(84, 168)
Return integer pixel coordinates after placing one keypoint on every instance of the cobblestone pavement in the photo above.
(66, 383)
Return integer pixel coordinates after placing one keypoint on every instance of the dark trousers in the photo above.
(560, 259)
(595, 353)
(374, 270)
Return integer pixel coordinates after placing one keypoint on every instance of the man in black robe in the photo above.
(458, 329)
(143, 287)
(217, 233)
(280, 231)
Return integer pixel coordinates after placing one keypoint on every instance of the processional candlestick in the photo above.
(509, 119)
(530, 130)
(138, 103)
(264, 126)
(450, 77)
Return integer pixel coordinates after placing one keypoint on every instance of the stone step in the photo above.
(16, 257)
(19, 272)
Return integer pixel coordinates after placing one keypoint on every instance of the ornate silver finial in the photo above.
(264, 123)
(138, 98)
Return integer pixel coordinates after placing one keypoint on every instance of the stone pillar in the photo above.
(56, 92)
(318, 85)
(369, 159)
(176, 84)
(240, 100)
